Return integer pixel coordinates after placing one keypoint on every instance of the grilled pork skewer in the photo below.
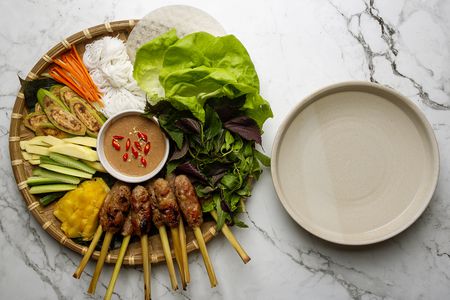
(164, 212)
(141, 218)
(192, 211)
(179, 238)
(112, 216)
(127, 231)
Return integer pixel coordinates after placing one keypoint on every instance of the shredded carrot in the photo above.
(70, 70)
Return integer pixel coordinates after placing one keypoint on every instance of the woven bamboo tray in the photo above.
(22, 169)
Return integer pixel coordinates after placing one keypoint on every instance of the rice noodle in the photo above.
(111, 70)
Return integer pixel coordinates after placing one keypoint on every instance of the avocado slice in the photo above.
(61, 118)
(87, 115)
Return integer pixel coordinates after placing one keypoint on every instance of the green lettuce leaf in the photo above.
(196, 68)
(149, 62)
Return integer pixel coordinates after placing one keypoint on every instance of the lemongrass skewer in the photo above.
(201, 244)
(100, 262)
(88, 254)
(168, 256)
(177, 249)
(115, 274)
(147, 267)
(184, 257)
(232, 239)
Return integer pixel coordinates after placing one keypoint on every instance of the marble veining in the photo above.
(297, 47)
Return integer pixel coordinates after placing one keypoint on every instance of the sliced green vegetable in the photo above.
(31, 181)
(51, 140)
(69, 162)
(76, 151)
(48, 160)
(47, 199)
(83, 141)
(95, 165)
(34, 162)
(51, 188)
(39, 150)
(57, 176)
(66, 171)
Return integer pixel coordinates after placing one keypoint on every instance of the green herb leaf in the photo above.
(220, 213)
(262, 158)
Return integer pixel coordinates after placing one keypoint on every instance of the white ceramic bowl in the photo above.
(110, 169)
(355, 163)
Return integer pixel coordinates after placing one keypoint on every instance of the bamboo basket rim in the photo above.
(17, 161)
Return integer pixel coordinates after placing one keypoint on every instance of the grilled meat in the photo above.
(115, 208)
(164, 205)
(141, 213)
(127, 228)
(157, 216)
(188, 201)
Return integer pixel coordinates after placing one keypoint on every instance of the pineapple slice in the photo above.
(78, 209)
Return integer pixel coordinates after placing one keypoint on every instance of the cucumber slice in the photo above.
(61, 177)
(51, 188)
(66, 171)
(47, 199)
(48, 160)
(67, 161)
(34, 180)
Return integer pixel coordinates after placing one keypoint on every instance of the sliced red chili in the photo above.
(138, 146)
(144, 162)
(142, 135)
(116, 144)
(134, 151)
(118, 137)
(147, 148)
(125, 156)
(128, 144)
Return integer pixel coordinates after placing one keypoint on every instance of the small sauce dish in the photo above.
(132, 147)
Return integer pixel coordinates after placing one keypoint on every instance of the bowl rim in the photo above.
(109, 168)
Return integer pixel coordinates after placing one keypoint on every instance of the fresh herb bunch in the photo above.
(205, 91)
(219, 154)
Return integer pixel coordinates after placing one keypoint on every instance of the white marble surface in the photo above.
(297, 47)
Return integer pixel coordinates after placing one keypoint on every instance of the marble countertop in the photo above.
(297, 47)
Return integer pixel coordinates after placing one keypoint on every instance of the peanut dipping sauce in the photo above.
(140, 130)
